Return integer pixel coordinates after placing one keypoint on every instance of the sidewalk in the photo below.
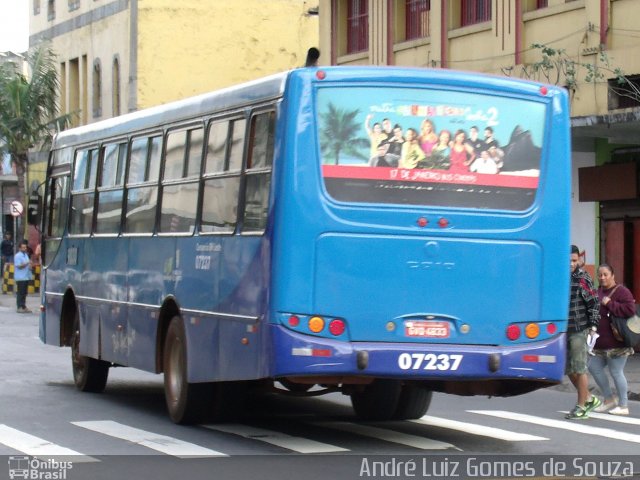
(632, 372)
(632, 369)
(8, 300)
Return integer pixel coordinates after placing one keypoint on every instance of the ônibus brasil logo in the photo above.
(38, 469)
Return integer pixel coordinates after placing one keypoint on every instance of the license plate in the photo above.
(426, 329)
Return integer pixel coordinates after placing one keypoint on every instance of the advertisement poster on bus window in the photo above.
(429, 147)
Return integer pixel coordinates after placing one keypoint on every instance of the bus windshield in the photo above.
(429, 147)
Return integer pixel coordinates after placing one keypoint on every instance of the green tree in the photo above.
(556, 66)
(339, 134)
(28, 111)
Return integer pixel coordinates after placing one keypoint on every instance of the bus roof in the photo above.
(272, 87)
(224, 99)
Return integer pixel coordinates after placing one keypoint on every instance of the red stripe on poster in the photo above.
(512, 180)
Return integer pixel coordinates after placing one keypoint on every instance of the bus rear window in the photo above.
(425, 147)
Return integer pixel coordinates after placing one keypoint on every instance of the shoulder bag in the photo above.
(626, 330)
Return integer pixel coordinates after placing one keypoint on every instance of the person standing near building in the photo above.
(584, 316)
(615, 300)
(6, 250)
(22, 275)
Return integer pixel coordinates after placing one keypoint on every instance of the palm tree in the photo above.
(28, 111)
(338, 134)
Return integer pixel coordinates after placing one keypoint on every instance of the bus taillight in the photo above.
(532, 330)
(294, 321)
(321, 74)
(551, 328)
(316, 324)
(337, 327)
(513, 332)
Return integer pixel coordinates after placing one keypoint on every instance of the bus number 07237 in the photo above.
(429, 361)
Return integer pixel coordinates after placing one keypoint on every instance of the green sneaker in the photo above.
(578, 413)
(595, 402)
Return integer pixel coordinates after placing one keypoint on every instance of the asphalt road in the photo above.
(125, 433)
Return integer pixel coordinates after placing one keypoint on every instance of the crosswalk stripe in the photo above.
(296, 444)
(161, 443)
(565, 425)
(387, 435)
(615, 418)
(37, 447)
(476, 429)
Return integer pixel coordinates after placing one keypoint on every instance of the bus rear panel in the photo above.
(444, 265)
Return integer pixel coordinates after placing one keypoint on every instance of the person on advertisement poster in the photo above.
(461, 153)
(375, 134)
(428, 137)
(411, 154)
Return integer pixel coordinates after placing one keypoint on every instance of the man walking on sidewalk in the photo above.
(22, 275)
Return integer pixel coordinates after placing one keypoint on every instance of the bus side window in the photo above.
(83, 193)
(236, 144)
(174, 157)
(110, 188)
(56, 216)
(180, 200)
(222, 176)
(58, 201)
(142, 189)
(258, 173)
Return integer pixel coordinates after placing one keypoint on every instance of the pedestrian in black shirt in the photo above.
(6, 250)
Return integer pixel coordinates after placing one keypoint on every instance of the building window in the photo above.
(36, 7)
(417, 18)
(51, 9)
(97, 89)
(475, 11)
(542, 3)
(73, 4)
(357, 26)
(115, 82)
(624, 95)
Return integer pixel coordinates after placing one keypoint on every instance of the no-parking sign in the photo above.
(16, 208)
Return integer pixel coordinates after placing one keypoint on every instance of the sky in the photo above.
(14, 25)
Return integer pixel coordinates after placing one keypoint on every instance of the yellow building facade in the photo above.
(117, 56)
(590, 40)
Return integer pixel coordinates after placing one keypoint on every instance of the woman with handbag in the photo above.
(609, 351)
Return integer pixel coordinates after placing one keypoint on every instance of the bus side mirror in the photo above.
(34, 208)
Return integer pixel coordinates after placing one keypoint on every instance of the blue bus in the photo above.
(382, 232)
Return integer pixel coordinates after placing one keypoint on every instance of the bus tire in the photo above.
(378, 400)
(413, 402)
(187, 403)
(89, 374)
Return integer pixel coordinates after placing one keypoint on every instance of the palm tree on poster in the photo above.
(28, 111)
(338, 134)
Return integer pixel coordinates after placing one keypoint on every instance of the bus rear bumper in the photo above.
(302, 355)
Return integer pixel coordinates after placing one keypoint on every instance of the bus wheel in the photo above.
(89, 374)
(378, 400)
(413, 402)
(186, 402)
